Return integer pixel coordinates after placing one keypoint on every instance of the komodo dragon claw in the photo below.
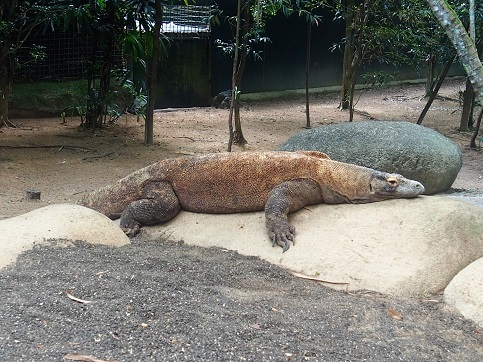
(283, 239)
(132, 231)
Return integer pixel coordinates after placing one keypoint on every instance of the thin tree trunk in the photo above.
(355, 36)
(348, 55)
(466, 113)
(435, 91)
(363, 17)
(151, 75)
(5, 89)
(477, 129)
(431, 61)
(104, 84)
(92, 96)
(233, 77)
(307, 75)
(238, 137)
(6, 70)
(469, 92)
(464, 45)
(351, 102)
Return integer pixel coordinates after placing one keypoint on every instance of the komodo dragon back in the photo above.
(277, 182)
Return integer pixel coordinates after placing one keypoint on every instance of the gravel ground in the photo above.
(159, 301)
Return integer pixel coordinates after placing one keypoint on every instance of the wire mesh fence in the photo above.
(57, 56)
(186, 21)
(62, 55)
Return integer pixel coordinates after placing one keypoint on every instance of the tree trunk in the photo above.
(5, 89)
(7, 70)
(348, 55)
(238, 137)
(464, 45)
(466, 113)
(307, 75)
(239, 61)
(104, 85)
(92, 94)
(233, 78)
(435, 91)
(477, 129)
(431, 61)
(466, 120)
(359, 15)
(351, 101)
(152, 75)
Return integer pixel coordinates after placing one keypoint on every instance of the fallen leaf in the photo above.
(84, 358)
(303, 276)
(71, 297)
(255, 326)
(391, 312)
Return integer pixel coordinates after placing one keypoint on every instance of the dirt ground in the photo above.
(63, 162)
(161, 300)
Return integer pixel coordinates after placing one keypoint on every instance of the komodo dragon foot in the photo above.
(132, 231)
(288, 197)
(158, 204)
(281, 233)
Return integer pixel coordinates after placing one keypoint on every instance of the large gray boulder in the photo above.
(415, 151)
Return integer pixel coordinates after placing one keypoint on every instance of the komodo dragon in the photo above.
(277, 182)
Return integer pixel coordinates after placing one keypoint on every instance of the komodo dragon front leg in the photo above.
(285, 198)
(158, 203)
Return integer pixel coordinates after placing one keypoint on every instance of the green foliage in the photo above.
(139, 98)
(260, 11)
(302, 8)
(111, 25)
(228, 48)
(405, 32)
(377, 78)
(253, 29)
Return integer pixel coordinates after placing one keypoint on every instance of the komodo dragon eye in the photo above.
(392, 181)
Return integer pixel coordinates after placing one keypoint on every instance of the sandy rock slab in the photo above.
(402, 247)
(61, 221)
(465, 292)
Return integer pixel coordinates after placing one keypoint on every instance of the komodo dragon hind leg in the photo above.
(288, 197)
(157, 204)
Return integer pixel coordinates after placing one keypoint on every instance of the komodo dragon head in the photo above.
(385, 186)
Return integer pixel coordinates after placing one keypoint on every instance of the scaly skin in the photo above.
(277, 182)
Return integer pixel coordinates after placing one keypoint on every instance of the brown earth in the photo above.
(63, 162)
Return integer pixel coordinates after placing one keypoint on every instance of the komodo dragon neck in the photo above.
(349, 183)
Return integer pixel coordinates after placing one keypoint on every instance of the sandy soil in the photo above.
(166, 301)
(63, 162)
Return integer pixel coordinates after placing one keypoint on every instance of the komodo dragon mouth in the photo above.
(385, 185)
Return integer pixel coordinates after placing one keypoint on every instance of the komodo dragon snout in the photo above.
(391, 185)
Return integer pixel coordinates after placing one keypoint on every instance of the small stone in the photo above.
(33, 194)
